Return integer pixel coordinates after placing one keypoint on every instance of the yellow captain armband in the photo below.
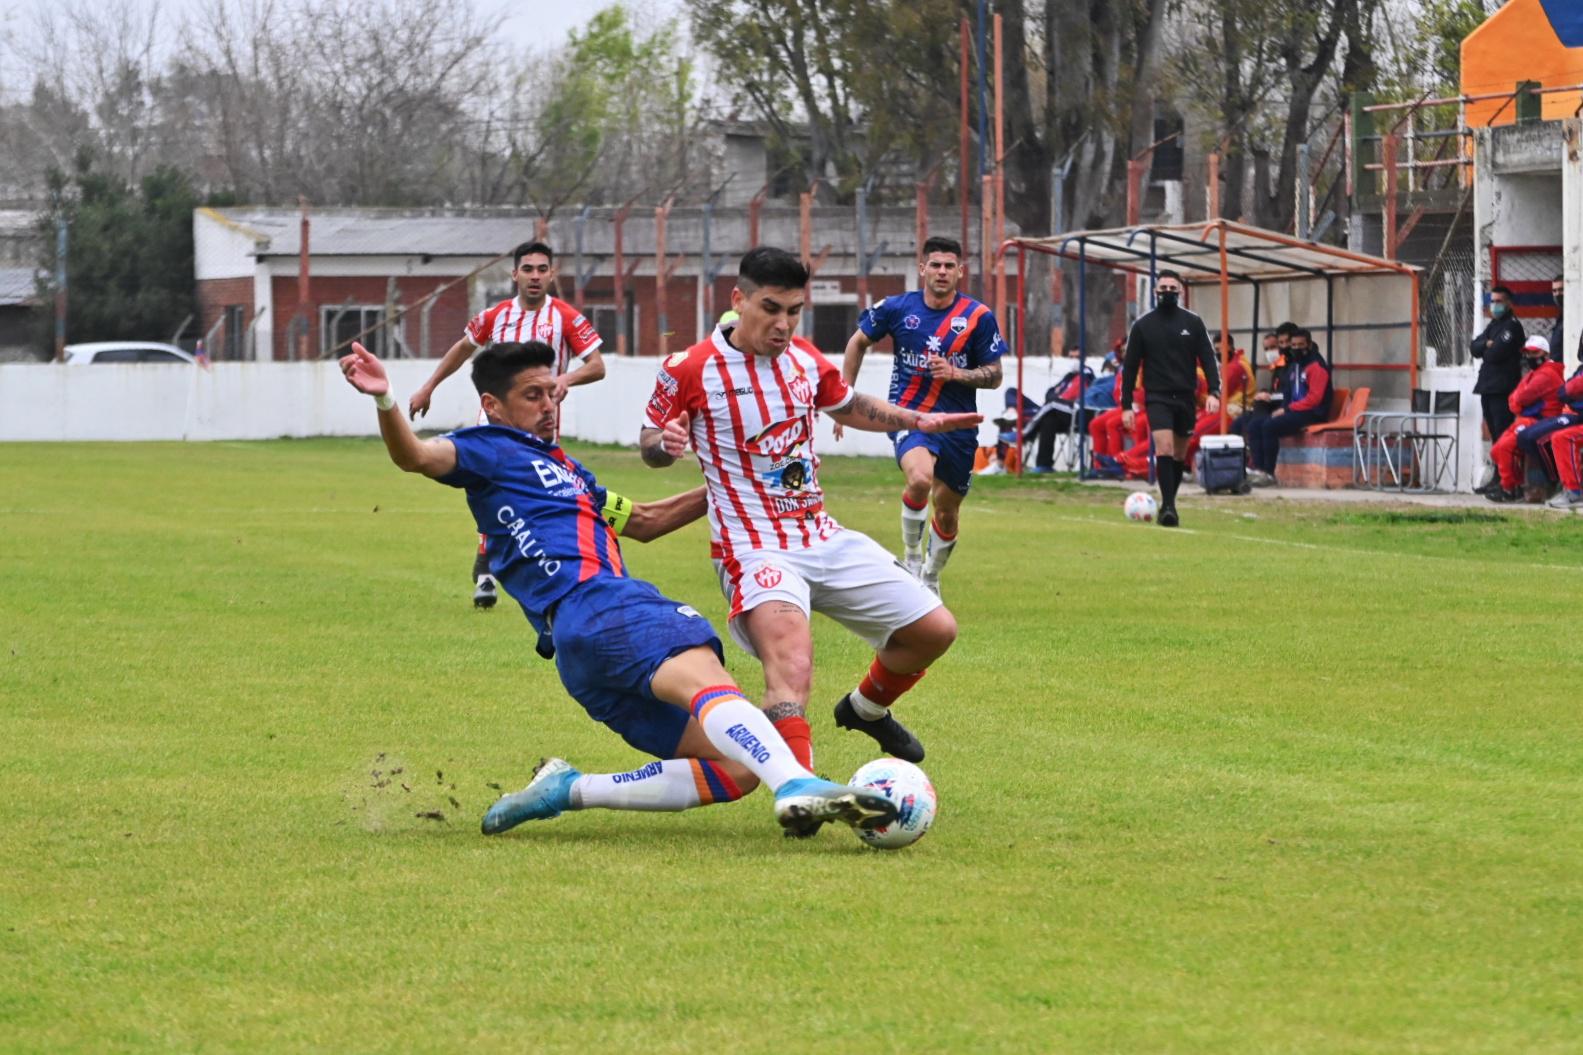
(618, 508)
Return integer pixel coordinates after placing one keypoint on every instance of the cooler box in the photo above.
(1222, 465)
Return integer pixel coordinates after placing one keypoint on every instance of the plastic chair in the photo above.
(1356, 404)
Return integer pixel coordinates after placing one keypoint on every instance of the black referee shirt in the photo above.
(1174, 344)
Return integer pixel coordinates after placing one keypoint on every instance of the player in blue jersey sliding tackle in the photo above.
(646, 666)
(947, 346)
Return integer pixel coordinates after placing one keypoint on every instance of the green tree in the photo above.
(129, 257)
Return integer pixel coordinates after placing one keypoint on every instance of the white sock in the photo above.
(740, 731)
(668, 786)
(866, 708)
(912, 525)
(939, 551)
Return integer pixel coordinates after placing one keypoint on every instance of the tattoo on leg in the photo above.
(785, 709)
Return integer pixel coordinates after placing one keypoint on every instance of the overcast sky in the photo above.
(527, 24)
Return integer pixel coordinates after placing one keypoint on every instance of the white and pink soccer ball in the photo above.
(910, 789)
(1140, 506)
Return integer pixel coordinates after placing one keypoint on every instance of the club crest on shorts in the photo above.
(767, 575)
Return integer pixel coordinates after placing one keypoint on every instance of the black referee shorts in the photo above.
(1174, 412)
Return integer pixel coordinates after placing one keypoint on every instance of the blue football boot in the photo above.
(548, 794)
(803, 804)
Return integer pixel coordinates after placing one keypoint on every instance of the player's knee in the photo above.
(789, 676)
(933, 634)
(917, 487)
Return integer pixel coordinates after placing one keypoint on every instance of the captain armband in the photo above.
(618, 509)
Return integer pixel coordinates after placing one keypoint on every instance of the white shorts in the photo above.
(848, 577)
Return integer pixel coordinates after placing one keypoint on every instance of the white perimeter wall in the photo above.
(256, 401)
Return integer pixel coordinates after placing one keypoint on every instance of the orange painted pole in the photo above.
(963, 188)
(1000, 171)
(1225, 327)
(1022, 313)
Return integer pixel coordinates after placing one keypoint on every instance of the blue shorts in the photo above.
(953, 454)
(610, 636)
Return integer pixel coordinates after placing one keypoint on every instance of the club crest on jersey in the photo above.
(768, 576)
(911, 322)
(958, 324)
(779, 438)
(801, 388)
(675, 359)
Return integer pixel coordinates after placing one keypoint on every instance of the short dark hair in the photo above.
(1286, 329)
(1302, 331)
(1503, 289)
(765, 265)
(528, 249)
(1167, 273)
(496, 367)
(940, 244)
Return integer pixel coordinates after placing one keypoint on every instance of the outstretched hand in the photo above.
(947, 422)
(677, 434)
(364, 372)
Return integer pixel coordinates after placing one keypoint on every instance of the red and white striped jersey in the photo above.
(556, 323)
(752, 424)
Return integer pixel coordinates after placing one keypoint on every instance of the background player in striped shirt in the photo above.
(645, 666)
(746, 400)
(947, 346)
(531, 315)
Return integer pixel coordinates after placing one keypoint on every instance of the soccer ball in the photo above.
(1140, 507)
(908, 787)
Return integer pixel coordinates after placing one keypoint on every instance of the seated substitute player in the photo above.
(1536, 399)
(644, 665)
(947, 346)
(531, 315)
(746, 399)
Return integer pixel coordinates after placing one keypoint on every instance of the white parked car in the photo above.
(126, 352)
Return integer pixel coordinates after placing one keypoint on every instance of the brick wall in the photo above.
(447, 318)
(214, 296)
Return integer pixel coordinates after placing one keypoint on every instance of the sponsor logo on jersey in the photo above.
(665, 382)
(689, 611)
(912, 322)
(559, 480)
(767, 576)
(527, 546)
(740, 390)
(779, 438)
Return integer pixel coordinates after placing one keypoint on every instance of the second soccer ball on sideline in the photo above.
(910, 789)
(1140, 506)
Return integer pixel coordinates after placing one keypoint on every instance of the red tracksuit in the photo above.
(1536, 398)
(1567, 444)
(1106, 432)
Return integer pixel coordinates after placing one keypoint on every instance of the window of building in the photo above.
(341, 323)
(604, 317)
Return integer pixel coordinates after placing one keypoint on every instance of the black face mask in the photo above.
(1557, 298)
(1166, 301)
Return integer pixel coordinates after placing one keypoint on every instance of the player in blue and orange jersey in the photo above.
(1536, 398)
(947, 346)
(647, 667)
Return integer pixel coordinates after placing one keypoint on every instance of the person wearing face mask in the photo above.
(1537, 398)
(1174, 344)
(1499, 351)
(1307, 402)
(1275, 361)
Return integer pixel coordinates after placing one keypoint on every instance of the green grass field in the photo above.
(1292, 779)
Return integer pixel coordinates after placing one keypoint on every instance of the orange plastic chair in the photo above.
(1356, 403)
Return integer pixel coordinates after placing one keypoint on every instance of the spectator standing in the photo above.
(1499, 350)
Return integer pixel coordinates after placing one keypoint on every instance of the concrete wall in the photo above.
(254, 401)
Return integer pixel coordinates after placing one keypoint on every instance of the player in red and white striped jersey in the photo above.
(531, 315)
(746, 400)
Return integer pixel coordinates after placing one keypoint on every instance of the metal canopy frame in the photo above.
(1217, 252)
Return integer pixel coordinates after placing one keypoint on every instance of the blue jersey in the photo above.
(965, 333)
(541, 514)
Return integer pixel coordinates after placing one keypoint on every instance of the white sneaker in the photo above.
(992, 469)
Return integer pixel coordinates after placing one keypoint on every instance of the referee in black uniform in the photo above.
(1171, 342)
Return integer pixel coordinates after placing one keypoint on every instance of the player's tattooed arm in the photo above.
(651, 446)
(986, 376)
(867, 414)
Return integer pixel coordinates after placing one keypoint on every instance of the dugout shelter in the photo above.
(1363, 308)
